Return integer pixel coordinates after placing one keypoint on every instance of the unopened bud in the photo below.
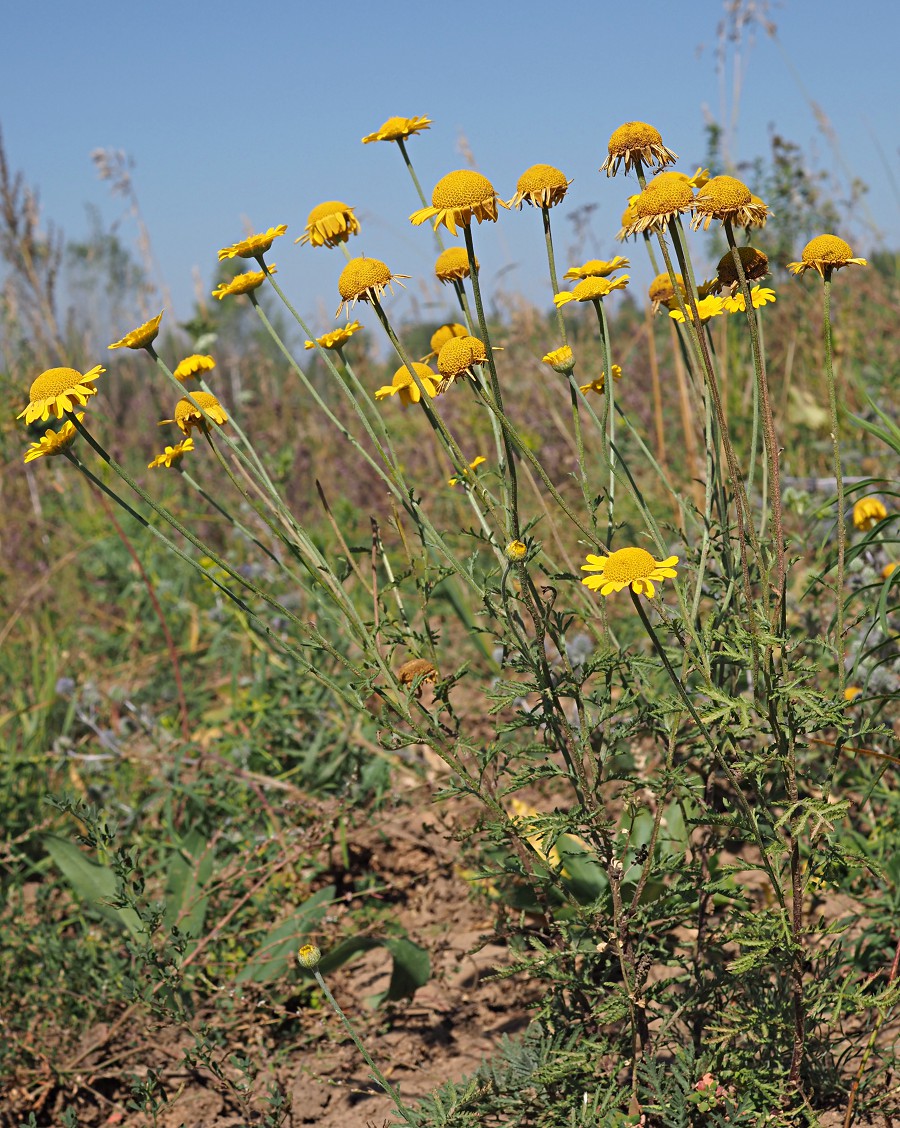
(515, 551)
(308, 956)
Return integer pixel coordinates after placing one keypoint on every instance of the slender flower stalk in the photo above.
(840, 643)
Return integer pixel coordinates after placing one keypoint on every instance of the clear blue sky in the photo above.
(236, 112)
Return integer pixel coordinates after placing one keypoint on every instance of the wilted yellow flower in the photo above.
(867, 512)
(54, 442)
(708, 307)
(336, 339)
(824, 254)
(597, 268)
(57, 390)
(666, 196)
(243, 283)
(634, 566)
(459, 197)
(662, 291)
(363, 279)
(561, 360)
(187, 416)
(398, 129)
(194, 365)
(442, 335)
(759, 295)
(329, 224)
(541, 185)
(452, 265)
(417, 668)
(141, 337)
(726, 198)
(636, 142)
(591, 290)
(406, 385)
(476, 462)
(172, 455)
(515, 551)
(629, 218)
(599, 384)
(755, 265)
(457, 358)
(253, 245)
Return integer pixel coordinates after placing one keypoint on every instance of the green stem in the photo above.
(839, 482)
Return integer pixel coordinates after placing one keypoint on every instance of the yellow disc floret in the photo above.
(635, 143)
(541, 185)
(364, 280)
(329, 224)
(452, 265)
(628, 566)
(459, 197)
(57, 391)
(824, 254)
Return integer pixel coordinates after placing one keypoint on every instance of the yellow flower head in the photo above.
(329, 224)
(824, 254)
(560, 360)
(635, 143)
(336, 339)
(515, 551)
(666, 196)
(726, 198)
(759, 295)
(54, 442)
(172, 455)
(541, 185)
(57, 390)
(629, 218)
(457, 357)
(452, 265)
(634, 566)
(754, 263)
(459, 197)
(852, 692)
(363, 280)
(254, 245)
(476, 462)
(707, 307)
(599, 384)
(661, 290)
(243, 283)
(398, 129)
(597, 268)
(406, 385)
(888, 570)
(867, 512)
(194, 365)
(141, 337)
(187, 416)
(443, 334)
(591, 290)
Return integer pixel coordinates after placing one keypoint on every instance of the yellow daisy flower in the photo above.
(726, 198)
(459, 197)
(57, 390)
(661, 290)
(406, 385)
(141, 337)
(666, 196)
(54, 442)
(759, 295)
(336, 339)
(172, 455)
(707, 307)
(636, 142)
(457, 357)
(824, 254)
(364, 279)
(561, 360)
(187, 416)
(754, 263)
(194, 365)
(329, 224)
(253, 245)
(542, 185)
(598, 384)
(597, 268)
(452, 265)
(591, 290)
(242, 283)
(472, 466)
(867, 512)
(515, 551)
(442, 335)
(628, 566)
(398, 129)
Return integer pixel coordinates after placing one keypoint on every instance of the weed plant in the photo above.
(626, 595)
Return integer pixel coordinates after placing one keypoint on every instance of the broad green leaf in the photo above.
(90, 881)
